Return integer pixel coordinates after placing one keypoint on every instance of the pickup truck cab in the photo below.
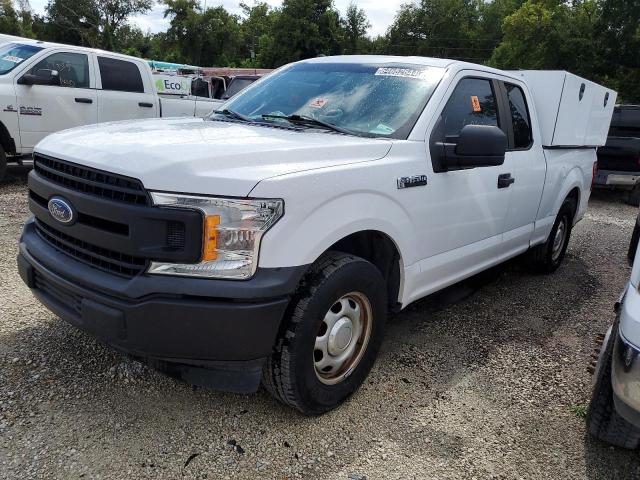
(271, 240)
(46, 87)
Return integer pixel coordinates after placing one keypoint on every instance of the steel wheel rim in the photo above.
(342, 338)
(559, 240)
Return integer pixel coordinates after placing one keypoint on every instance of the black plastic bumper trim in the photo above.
(266, 283)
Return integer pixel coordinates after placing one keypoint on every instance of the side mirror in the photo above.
(477, 146)
(44, 76)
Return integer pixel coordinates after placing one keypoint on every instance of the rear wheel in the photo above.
(603, 421)
(546, 258)
(331, 337)
(634, 196)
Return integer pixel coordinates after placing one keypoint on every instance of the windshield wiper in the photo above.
(309, 121)
(233, 114)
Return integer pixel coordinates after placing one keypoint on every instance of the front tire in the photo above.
(546, 258)
(603, 422)
(329, 342)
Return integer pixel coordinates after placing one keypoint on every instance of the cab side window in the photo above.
(520, 119)
(473, 102)
(120, 75)
(73, 68)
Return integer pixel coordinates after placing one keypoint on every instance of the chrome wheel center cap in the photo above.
(340, 336)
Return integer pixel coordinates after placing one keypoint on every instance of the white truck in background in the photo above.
(270, 239)
(47, 87)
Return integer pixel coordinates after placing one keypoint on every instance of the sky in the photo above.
(380, 12)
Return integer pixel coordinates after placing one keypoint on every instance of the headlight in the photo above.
(232, 231)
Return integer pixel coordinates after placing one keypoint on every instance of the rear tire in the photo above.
(546, 258)
(3, 163)
(634, 196)
(331, 336)
(603, 422)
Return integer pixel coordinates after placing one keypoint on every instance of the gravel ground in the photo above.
(485, 386)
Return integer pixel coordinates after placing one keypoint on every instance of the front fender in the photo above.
(313, 223)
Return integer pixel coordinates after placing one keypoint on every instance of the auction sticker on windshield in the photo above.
(11, 58)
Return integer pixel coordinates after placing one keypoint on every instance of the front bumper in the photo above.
(214, 333)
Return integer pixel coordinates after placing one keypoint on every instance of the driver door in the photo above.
(466, 208)
(44, 109)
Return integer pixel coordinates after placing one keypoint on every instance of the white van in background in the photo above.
(47, 87)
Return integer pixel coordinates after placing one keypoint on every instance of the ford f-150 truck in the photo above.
(47, 87)
(270, 240)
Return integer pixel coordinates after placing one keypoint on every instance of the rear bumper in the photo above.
(209, 332)
(617, 178)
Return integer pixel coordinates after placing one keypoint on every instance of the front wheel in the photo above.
(331, 337)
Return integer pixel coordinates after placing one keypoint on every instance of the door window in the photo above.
(519, 117)
(120, 75)
(472, 103)
(73, 68)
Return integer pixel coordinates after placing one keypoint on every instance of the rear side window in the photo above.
(120, 75)
(472, 103)
(73, 68)
(519, 116)
(625, 122)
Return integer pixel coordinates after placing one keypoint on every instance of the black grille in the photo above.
(175, 235)
(91, 181)
(65, 298)
(93, 255)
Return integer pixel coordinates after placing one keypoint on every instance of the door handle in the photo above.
(145, 104)
(504, 180)
(83, 100)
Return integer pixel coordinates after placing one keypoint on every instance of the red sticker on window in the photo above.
(317, 103)
(475, 104)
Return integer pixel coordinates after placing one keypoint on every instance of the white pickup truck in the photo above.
(46, 87)
(270, 240)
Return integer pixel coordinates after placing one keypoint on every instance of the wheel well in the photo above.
(574, 195)
(379, 249)
(6, 141)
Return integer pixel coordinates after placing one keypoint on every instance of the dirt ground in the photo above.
(491, 385)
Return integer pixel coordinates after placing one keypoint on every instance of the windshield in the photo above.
(363, 99)
(13, 54)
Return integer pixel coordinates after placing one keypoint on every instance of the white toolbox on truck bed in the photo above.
(572, 111)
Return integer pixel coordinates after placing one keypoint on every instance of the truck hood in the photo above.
(209, 157)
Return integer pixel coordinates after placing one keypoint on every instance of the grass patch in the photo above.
(579, 411)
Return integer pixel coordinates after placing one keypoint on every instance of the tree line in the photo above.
(598, 39)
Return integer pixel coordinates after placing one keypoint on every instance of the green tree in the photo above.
(91, 22)
(304, 29)
(618, 34)
(550, 35)
(256, 32)
(209, 37)
(355, 25)
(9, 22)
(436, 28)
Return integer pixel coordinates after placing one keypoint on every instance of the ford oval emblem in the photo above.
(61, 210)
